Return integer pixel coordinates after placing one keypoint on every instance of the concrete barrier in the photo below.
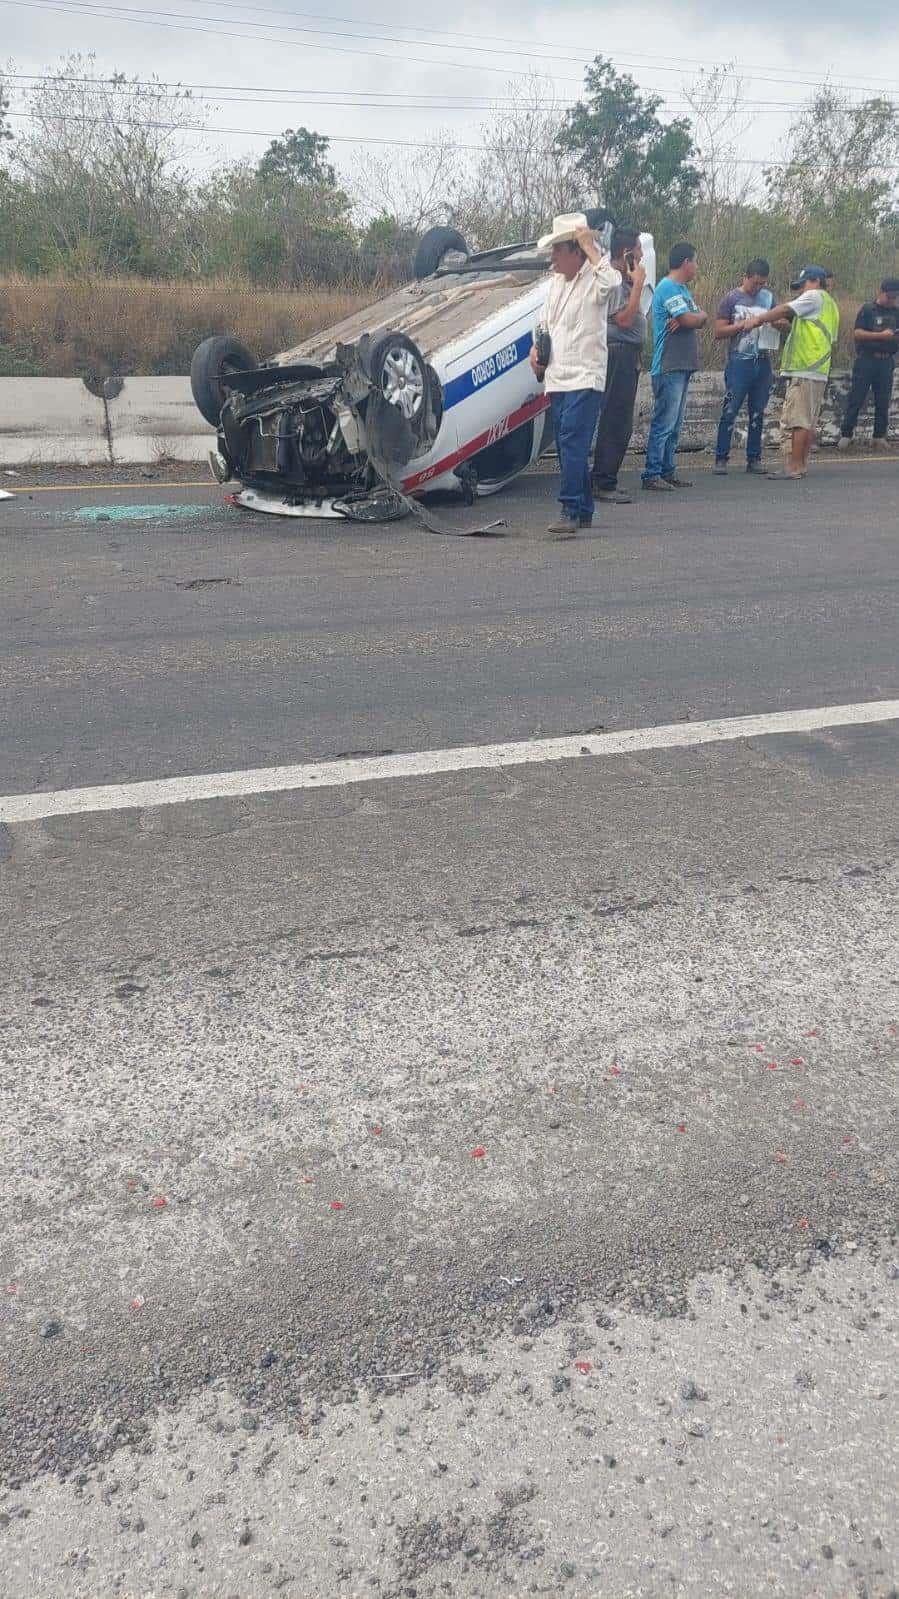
(133, 421)
(137, 421)
(44, 421)
(151, 418)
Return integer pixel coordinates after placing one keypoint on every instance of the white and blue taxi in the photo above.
(428, 389)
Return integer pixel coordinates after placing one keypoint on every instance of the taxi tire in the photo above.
(212, 361)
(432, 248)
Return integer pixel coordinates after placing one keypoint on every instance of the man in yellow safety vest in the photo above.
(805, 361)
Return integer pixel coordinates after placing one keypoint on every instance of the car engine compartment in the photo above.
(342, 427)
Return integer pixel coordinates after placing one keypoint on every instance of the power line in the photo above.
(692, 63)
(367, 99)
(182, 83)
(148, 17)
(345, 138)
(81, 8)
(249, 133)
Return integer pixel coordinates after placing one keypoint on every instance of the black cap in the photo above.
(890, 286)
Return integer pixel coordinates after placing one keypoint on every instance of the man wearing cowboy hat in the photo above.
(574, 369)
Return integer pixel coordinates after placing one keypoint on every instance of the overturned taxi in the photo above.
(429, 388)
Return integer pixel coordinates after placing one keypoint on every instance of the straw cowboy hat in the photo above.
(565, 230)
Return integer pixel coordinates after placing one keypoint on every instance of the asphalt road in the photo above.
(472, 1184)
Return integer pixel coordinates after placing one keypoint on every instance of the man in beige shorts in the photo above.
(814, 324)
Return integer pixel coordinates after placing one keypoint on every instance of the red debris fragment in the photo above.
(478, 1152)
(799, 1104)
(812, 1033)
(614, 1070)
(759, 1049)
(847, 1140)
(771, 1065)
(583, 1366)
(137, 1302)
(797, 1061)
(158, 1202)
(337, 1204)
(804, 1224)
(781, 1158)
(307, 1179)
(682, 1127)
(132, 1184)
(377, 1131)
(12, 1288)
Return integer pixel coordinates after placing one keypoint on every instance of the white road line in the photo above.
(430, 763)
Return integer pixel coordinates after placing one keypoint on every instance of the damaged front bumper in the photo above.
(381, 505)
(328, 441)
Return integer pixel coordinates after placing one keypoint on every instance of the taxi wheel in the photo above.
(398, 370)
(213, 360)
(437, 247)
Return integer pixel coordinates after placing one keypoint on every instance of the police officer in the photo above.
(876, 348)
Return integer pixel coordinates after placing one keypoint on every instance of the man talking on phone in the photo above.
(626, 338)
(569, 355)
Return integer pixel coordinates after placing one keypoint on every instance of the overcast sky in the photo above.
(443, 80)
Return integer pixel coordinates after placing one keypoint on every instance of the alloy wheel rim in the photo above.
(402, 381)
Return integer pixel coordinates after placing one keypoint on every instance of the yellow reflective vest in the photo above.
(810, 341)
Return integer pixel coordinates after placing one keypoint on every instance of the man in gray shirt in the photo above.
(626, 336)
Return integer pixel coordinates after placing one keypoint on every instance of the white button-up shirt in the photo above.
(576, 316)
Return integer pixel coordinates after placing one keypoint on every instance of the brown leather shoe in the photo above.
(565, 528)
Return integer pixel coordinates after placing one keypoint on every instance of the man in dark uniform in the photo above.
(876, 348)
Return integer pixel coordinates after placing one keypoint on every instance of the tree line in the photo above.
(95, 181)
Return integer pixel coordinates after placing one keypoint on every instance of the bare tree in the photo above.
(5, 129)
(103, 159)
(523, 178)
(729, 229)
(416, 189)
(720, 125)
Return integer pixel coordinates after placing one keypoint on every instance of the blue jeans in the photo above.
(575, 414)
(670, 392)
(748, 380)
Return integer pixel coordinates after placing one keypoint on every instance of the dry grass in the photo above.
(64, 327)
